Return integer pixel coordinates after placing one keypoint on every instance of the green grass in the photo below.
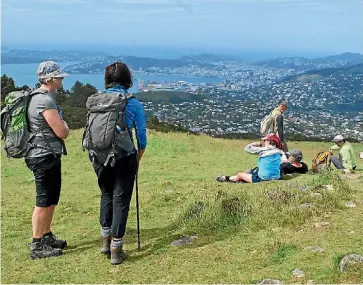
(245, 232)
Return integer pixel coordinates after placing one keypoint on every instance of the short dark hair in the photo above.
(117, 74)
(273, 143)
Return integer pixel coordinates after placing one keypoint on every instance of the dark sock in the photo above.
(227, 178)
(36, 240)
(48, 234)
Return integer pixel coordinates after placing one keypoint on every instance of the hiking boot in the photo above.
(105, 244)
(40, 250)
(221, 179)
(54, 242)
(117, 255)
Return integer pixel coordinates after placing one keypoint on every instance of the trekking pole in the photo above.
(137, 207)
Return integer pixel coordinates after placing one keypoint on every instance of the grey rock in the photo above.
(314, 248)
(321, 224)
(270, 281)
(298, 273)
(329, 187)
(316, 195)
(184, 240)
(306, 205)
(349, 260)
(350, 205)
(304, 188)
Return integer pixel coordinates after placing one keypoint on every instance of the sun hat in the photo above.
(50, 69)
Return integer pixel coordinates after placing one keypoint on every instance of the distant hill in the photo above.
(317, 74)
(36, 56)
(134, 62)
(303, 64)
(347, 56)
(211, 57)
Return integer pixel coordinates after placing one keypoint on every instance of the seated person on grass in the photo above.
(268, 165)
(346, 160)
(293, 164)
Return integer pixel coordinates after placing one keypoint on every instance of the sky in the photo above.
(306, 26)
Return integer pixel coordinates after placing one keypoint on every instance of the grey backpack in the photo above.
(106, 136)
(267, 125)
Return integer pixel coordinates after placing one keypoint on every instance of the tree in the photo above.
(80, 93)
(7, 86)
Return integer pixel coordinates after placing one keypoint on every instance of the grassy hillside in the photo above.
(245, 233)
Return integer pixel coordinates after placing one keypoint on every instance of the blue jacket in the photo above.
(135, 117)
(269, 167)
(269, 160)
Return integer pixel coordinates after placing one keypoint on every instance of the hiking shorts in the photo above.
(48, 179)
(255, 177)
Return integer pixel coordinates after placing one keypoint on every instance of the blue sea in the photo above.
(25, 74)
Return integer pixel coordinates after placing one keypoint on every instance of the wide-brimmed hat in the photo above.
(50, 69)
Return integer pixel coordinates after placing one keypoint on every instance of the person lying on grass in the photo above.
(293, 164)
(268, 165)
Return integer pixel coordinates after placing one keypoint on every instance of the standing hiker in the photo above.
(274, 123)
(44, 158)
(108, 138)
(347, 159)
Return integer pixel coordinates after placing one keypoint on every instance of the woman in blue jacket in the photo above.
(116, 182)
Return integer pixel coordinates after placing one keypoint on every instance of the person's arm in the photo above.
(59, 127)
(334, 147)
(254, 148)
(284, 158)
(287, 168)
(140, 129)
(140, 153)
(279, 121)
(346, 158)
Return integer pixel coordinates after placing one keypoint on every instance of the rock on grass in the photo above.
(349, 261)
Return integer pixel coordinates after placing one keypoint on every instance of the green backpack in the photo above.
(14, 123)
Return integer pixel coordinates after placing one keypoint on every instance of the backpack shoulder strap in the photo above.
(37, 91)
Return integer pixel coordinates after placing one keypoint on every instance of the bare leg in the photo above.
(246, 177)
(49, 219)
(39, 221)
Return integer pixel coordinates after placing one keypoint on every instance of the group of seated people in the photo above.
(273, 163)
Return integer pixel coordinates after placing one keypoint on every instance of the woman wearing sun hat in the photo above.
(44, 158)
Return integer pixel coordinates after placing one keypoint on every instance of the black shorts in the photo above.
(48, 179)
